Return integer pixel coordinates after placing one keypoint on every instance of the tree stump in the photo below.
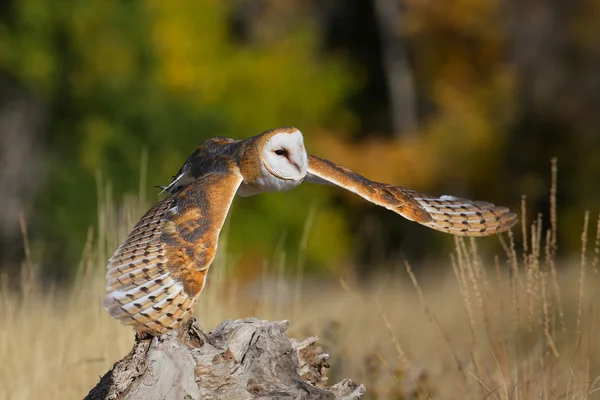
(242, 359)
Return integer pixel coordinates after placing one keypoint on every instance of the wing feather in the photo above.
(446, 213)
(155, 276)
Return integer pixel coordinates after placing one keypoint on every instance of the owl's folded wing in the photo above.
(155, 276)
(446, 213)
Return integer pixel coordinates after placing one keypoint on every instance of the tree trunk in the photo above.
(242, 359)
(400, 82)
(21, 171)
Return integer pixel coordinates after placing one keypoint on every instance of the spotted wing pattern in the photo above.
(446, 213)
(155, 276)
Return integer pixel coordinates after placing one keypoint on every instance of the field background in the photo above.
(515, 326)
(100, 101)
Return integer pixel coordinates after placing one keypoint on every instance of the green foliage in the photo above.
(121, 77)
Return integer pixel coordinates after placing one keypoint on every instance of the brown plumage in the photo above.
(154, 278)
(446, 213)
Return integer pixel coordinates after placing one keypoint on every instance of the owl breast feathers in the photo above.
(154, 278)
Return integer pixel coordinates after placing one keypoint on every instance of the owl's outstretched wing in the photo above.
(154, 278)
(446, 213)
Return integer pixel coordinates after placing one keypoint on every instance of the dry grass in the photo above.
(516, 327)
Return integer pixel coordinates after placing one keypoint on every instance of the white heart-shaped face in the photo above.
(285, 157)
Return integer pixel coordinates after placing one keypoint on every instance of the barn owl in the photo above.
(154, 278)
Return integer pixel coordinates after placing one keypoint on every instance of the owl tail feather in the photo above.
(146, 296)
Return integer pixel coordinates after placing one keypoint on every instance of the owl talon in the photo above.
(142, 336)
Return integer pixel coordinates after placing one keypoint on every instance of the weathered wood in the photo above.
(242, 359)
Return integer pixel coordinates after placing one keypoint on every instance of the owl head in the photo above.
(282, 153)
(272, 161)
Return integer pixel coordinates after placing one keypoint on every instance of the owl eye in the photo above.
(280, 152)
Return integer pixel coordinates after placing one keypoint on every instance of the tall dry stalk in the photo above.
(582, 267)
(30, 284)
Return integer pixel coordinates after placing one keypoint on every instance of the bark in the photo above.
(242, 359)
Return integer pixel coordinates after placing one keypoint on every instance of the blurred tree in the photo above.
(498, 88)
(119, 77)
(502, 86)
(389, 15)
(21, 115)
(554, 49)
